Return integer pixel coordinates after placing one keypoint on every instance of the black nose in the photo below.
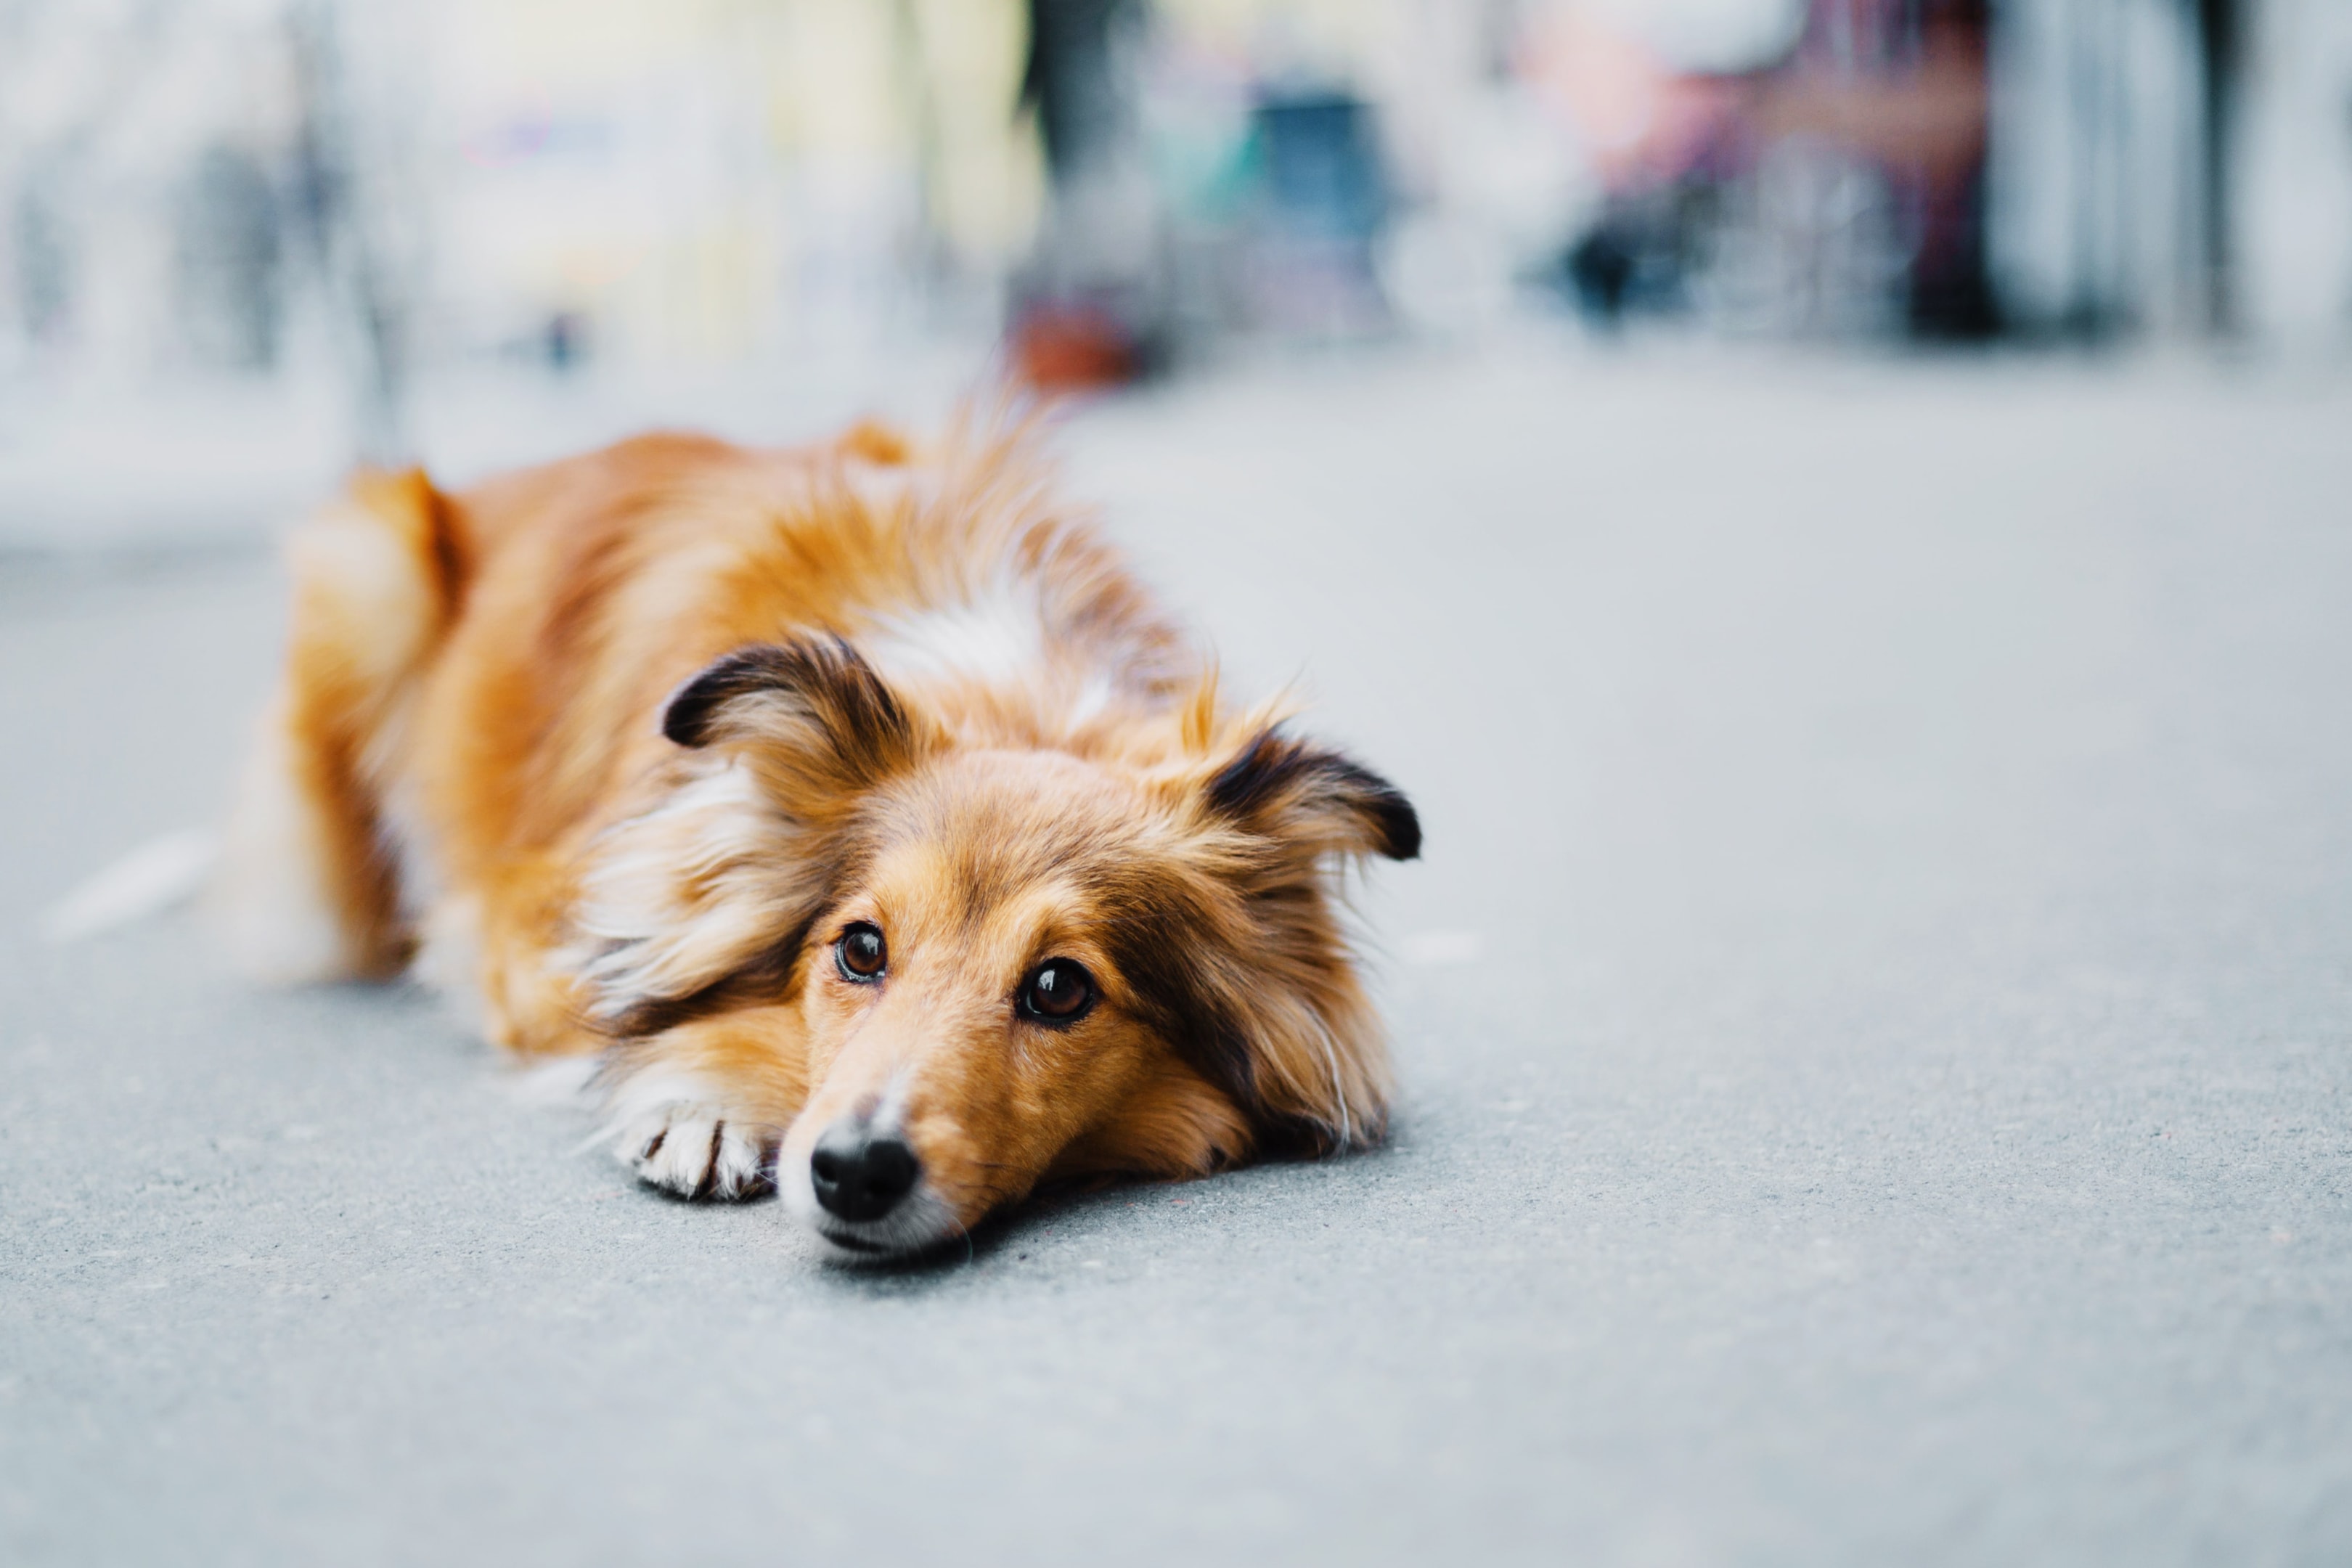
(860, 1177)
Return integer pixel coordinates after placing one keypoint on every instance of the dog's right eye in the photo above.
(1059, 992)
(861, 953)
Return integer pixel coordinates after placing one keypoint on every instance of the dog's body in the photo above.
(850, 804)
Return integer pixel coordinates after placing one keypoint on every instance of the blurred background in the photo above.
(1833, 510)
(255, 239)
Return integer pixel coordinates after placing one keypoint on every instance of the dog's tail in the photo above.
(309, 878)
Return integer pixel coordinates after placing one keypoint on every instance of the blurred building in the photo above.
(647, 181)
(144, 155)
(714, 182)
(259, 188)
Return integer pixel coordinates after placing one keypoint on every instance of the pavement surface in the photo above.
(1876, 1021)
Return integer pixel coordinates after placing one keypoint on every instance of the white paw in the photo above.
(671, 1131)
(697, 1154)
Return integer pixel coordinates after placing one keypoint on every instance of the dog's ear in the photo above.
(1242, 954)
(719, 878)
(811, 716)
(1312, 799)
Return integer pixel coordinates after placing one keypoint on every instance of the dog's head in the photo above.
(976, 968)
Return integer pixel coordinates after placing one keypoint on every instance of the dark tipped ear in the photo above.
(817, 700)
(1287, 788)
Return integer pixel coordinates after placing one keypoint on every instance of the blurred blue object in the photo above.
(1321, 165)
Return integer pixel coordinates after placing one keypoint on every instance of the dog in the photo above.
(853, 804)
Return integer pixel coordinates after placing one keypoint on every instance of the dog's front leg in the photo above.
(699, 1109)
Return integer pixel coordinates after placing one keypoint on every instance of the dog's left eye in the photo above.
(861, 953)
(1058, 992)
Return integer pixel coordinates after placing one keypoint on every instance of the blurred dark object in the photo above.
(1601, 268)
(565, 342)
(1639, 258)
(1072, 80)
(1091, 296)
(2221, 44)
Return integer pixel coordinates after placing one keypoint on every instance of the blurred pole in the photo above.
(1950, 292)
(333, 205)
(2220, 38)
(1072, 82)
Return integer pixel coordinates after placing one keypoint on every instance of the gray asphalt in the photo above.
(1874, 1020)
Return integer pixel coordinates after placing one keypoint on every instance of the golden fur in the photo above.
(622, 746)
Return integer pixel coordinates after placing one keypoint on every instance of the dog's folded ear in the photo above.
(1284, 788)
(812, 710)
(720, 876)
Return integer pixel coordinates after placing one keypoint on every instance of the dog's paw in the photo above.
(695, 1153)
(677, 1130)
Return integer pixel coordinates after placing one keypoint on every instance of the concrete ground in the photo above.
(1876, 1021)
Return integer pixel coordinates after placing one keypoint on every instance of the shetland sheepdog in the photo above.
(853, 804)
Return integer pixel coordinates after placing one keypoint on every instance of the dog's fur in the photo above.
(621, 745)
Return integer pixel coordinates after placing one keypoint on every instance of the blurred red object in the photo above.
(1072, 348)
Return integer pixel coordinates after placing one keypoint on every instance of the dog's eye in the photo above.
(1059, 992)
(861, 953)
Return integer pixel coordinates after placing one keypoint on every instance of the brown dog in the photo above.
(861, 810)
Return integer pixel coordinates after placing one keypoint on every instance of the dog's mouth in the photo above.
(857, 1243)
(901, 1235)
